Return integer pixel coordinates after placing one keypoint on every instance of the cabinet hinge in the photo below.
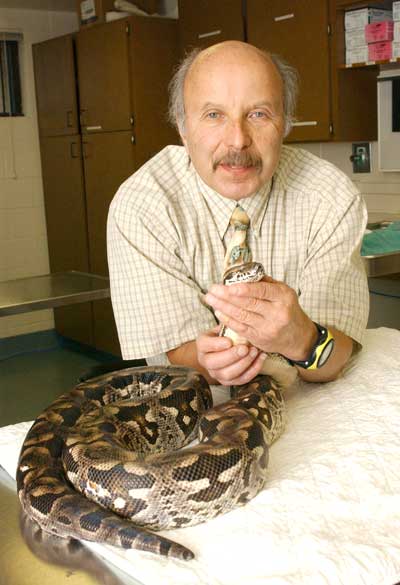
(329, 30)
(128, 29)
(330, 128)
(132, 120)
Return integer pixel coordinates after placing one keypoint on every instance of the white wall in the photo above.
(23, 239)
(381, 190)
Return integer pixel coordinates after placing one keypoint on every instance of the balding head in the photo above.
(197, 59)
(230, 51)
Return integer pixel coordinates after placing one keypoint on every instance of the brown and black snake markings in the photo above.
(104, 461)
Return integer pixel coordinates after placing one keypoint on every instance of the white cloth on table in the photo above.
(330, 513)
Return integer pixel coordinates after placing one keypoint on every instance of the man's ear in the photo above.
(181, 130)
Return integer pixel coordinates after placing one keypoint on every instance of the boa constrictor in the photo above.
(105, 462)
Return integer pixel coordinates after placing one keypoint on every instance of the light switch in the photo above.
(361, 157)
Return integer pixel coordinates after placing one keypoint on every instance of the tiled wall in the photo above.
(381, 190)
(23, 240)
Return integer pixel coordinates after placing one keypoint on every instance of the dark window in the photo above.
(10, 80)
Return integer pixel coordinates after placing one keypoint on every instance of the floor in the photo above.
(29, 382)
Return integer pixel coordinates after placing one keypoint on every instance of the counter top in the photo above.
(382, 264)
(51, 290)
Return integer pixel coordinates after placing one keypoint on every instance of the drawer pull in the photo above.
(283, 17)
(70, 119)
(93, 128)
(212, 33)
(75, 150)
(307, 123)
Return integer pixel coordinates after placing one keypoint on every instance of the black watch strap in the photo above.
(320, 352)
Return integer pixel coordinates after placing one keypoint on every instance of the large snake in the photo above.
(104, 461)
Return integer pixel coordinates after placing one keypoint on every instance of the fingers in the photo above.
(243, 318)
(267, 289)
(242, 371)
(215, 352)
(227, 363)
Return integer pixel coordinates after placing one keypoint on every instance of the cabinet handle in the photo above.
(86, 149)
(133, 140)
(283, 17)
(82, 116)
(306, 123)
(93, 128)
(212, 33)
(70, 119)
(75, 150)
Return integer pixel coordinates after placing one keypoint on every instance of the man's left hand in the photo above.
(267, 313)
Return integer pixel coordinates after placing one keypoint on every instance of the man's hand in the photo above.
(267, 313)
(226, 363)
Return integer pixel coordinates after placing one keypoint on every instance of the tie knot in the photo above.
(239, 218)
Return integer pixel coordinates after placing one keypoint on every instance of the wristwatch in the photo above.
(320, 352)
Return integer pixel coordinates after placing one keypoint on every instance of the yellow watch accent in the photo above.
(320, 352)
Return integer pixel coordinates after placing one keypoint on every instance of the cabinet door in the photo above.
(56, 94)
(205, 22)
(109, 159)
(298, 31)
(355, 4)
(354, 96)
(154, 55)
(66, 226)
(103, 72)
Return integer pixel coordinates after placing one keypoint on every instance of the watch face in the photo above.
(325, 353)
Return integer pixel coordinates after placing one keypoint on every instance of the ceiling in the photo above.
(61, 5)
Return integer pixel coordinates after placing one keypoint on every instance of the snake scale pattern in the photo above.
(104, 461)
(113, 459)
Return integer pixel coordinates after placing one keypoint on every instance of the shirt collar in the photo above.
(222, 207)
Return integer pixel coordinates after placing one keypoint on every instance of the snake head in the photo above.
(247, 272)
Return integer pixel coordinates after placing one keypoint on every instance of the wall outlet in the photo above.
(361, 157)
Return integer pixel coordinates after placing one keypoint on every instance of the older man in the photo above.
(169, 225)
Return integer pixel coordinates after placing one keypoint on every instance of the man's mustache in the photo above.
(239, 158)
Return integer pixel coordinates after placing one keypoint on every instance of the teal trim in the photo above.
(27, 343)
(87, 350)
(48, 340)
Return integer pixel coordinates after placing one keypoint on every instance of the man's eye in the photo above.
(213, 115)
(258, 114)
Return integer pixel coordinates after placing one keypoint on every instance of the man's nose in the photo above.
(237, 134)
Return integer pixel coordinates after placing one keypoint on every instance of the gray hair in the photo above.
(289, 76)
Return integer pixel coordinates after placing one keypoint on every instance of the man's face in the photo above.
(234, 121)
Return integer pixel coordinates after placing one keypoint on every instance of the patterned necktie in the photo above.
(238, 251)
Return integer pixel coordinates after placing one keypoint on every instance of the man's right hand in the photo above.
(226, 363)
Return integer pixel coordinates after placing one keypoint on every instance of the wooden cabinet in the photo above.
(354, 93)
(205, 22)
(298, 31)
(153, 52)
(64, 193)
(56, 95)
(103, 74)
(334, 103)
(109, 159)
(65, 202)
(123, 69)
